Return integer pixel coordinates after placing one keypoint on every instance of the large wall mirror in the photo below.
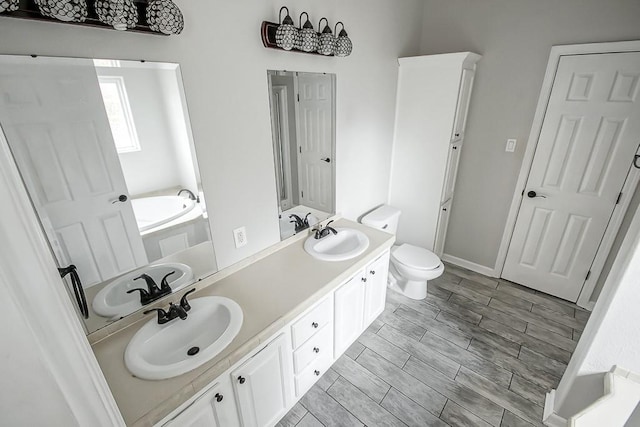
(303, 133)
(105, 150)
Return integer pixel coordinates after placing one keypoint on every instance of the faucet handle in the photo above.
(306, 219)
(184, 303)
(164, 284)
(151, 284)
(143, 292)
(162, 315)
(177, 311)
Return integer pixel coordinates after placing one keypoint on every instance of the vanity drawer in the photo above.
(311, 322)
(315, 347)
(314, 371)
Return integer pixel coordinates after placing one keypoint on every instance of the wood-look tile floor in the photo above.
(476, 352)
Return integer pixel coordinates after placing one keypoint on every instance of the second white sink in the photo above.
(347, 244)
(157, 352)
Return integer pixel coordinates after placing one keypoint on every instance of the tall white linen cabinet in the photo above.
(431, 112)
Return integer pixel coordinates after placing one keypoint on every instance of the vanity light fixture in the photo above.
(9, 5)
(343, 46)
(326, 41)
(120, 14)
(308, 40)
(286, 34)
(63, 10)
(165, 17)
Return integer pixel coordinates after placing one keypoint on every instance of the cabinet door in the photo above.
(263, 385)
(441, 231)
(215, 408)
(451, 171)
(376, 288)
(349, 313)
(464, 94)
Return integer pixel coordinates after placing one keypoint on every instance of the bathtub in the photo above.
(153, 212)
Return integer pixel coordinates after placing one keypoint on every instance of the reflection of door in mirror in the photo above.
(70, 167)
(105, 150)
(303, 130)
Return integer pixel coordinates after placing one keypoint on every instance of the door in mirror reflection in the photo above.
(105, 151)
(303, 129)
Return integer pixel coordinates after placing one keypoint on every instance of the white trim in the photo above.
(549, 418)
(45, 304)
(619, 212)
(545, 93)
(487, 271)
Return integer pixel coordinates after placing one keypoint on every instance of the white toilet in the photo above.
(411, 266)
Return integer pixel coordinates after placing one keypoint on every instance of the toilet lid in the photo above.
(416, 257)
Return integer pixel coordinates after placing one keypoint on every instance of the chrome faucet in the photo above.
(174, 310)
(322, 232)
(190, 193)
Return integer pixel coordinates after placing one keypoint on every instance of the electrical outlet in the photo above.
(240, 237)
(511, 146)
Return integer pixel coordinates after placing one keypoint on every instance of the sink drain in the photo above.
(193, 351)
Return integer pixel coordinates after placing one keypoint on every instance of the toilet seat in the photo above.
(416, 257)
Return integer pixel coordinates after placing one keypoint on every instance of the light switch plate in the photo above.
(240, 237)
(511, 146)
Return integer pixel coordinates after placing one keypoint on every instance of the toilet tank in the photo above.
(383, 218)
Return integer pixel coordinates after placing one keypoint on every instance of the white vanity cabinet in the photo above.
(263, 384)
(358, 302)
(215, 408)
(431, 114)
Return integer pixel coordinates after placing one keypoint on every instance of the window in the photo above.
(116, 102)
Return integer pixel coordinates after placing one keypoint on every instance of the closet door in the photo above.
(443, 223)
(464, 95)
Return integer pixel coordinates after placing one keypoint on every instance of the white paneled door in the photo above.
(586, 147)
(315, 140)
(60, 137)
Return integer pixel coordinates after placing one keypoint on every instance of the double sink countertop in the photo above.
(271, 292)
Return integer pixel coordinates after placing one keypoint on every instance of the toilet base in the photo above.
(414, 289)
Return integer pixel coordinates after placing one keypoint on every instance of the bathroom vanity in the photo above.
(300, 315)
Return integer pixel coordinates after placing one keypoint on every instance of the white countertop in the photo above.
(271, 292)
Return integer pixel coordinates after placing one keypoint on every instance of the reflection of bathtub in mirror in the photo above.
(162, 212)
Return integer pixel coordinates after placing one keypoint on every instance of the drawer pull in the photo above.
(315, 325)
(219, 397)
(364, 279)
(316, 350)
(316, 373)
(241, 379)
(372, 272)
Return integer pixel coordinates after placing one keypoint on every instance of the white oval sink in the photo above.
(157, 352)
(347, 244)
(113, 301)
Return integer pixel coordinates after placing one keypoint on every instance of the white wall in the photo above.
(224, 67)
(612, 335)
(515, 38)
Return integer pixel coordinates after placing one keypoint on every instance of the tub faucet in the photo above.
(190, 193)
(322, 232)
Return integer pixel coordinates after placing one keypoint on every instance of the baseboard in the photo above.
(487, 271)
(550, 418)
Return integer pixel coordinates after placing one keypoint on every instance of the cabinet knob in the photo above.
(457, 134)
(372, 272)
(241, 379)
(316, 373)
(454, 147)
(444, 209)
(316, 350)
(314, 325)
(364, 279)
(219, 397)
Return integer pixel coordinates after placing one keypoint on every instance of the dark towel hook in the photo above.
(77, 288)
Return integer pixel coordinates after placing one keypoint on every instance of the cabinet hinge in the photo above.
(588, 274)
(302, 194)
(619, 197)
(298, 97)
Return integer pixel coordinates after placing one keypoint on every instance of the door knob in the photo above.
(532, 195)
(121, 199)
(326, 159)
